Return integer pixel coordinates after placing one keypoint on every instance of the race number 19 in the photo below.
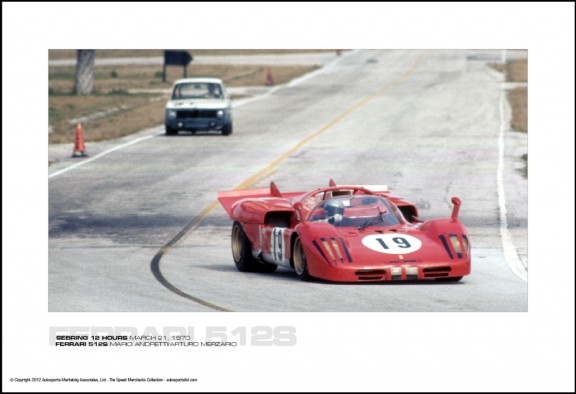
(392, 243)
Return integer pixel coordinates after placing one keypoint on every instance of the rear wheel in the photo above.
(242, 253)
(299, 259)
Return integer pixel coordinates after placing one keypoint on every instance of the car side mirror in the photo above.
(456, 201)
(298, 211)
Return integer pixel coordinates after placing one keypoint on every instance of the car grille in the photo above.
(196, 113)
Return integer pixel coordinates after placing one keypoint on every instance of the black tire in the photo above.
(299, 261)
(451, 279)
(227, 129)
(170, 131)
(242, 252)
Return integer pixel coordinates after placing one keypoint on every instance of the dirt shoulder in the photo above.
(516, 75)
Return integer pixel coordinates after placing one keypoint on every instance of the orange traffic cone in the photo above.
(79, 148)
(269, 80)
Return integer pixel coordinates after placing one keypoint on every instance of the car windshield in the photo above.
(197, 90)
(356, 211)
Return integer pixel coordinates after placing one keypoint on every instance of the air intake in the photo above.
(367, 275)
(436, 272)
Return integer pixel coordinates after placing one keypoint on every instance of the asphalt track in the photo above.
(136, 226)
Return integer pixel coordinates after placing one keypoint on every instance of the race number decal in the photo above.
(277, 244)
(392, 243)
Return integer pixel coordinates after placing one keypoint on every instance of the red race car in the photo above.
(349, 233)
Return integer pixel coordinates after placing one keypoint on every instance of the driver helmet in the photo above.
(334, 207)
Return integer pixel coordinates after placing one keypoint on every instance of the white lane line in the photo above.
(99, 155)
(510, 253)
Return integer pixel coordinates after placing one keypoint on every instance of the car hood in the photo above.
(198, 103)
(375, 244)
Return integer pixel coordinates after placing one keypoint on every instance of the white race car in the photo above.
(199, 104)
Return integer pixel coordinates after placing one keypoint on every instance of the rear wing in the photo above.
(229, 198)
(374, 188)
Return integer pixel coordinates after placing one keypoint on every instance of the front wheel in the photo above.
(227, 129)
(170, 130)
(299, 259)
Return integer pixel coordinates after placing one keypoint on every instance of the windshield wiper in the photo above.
(379, 218)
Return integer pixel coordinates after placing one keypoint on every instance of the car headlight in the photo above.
(171, 113)
(456, 244)
(220, 113)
